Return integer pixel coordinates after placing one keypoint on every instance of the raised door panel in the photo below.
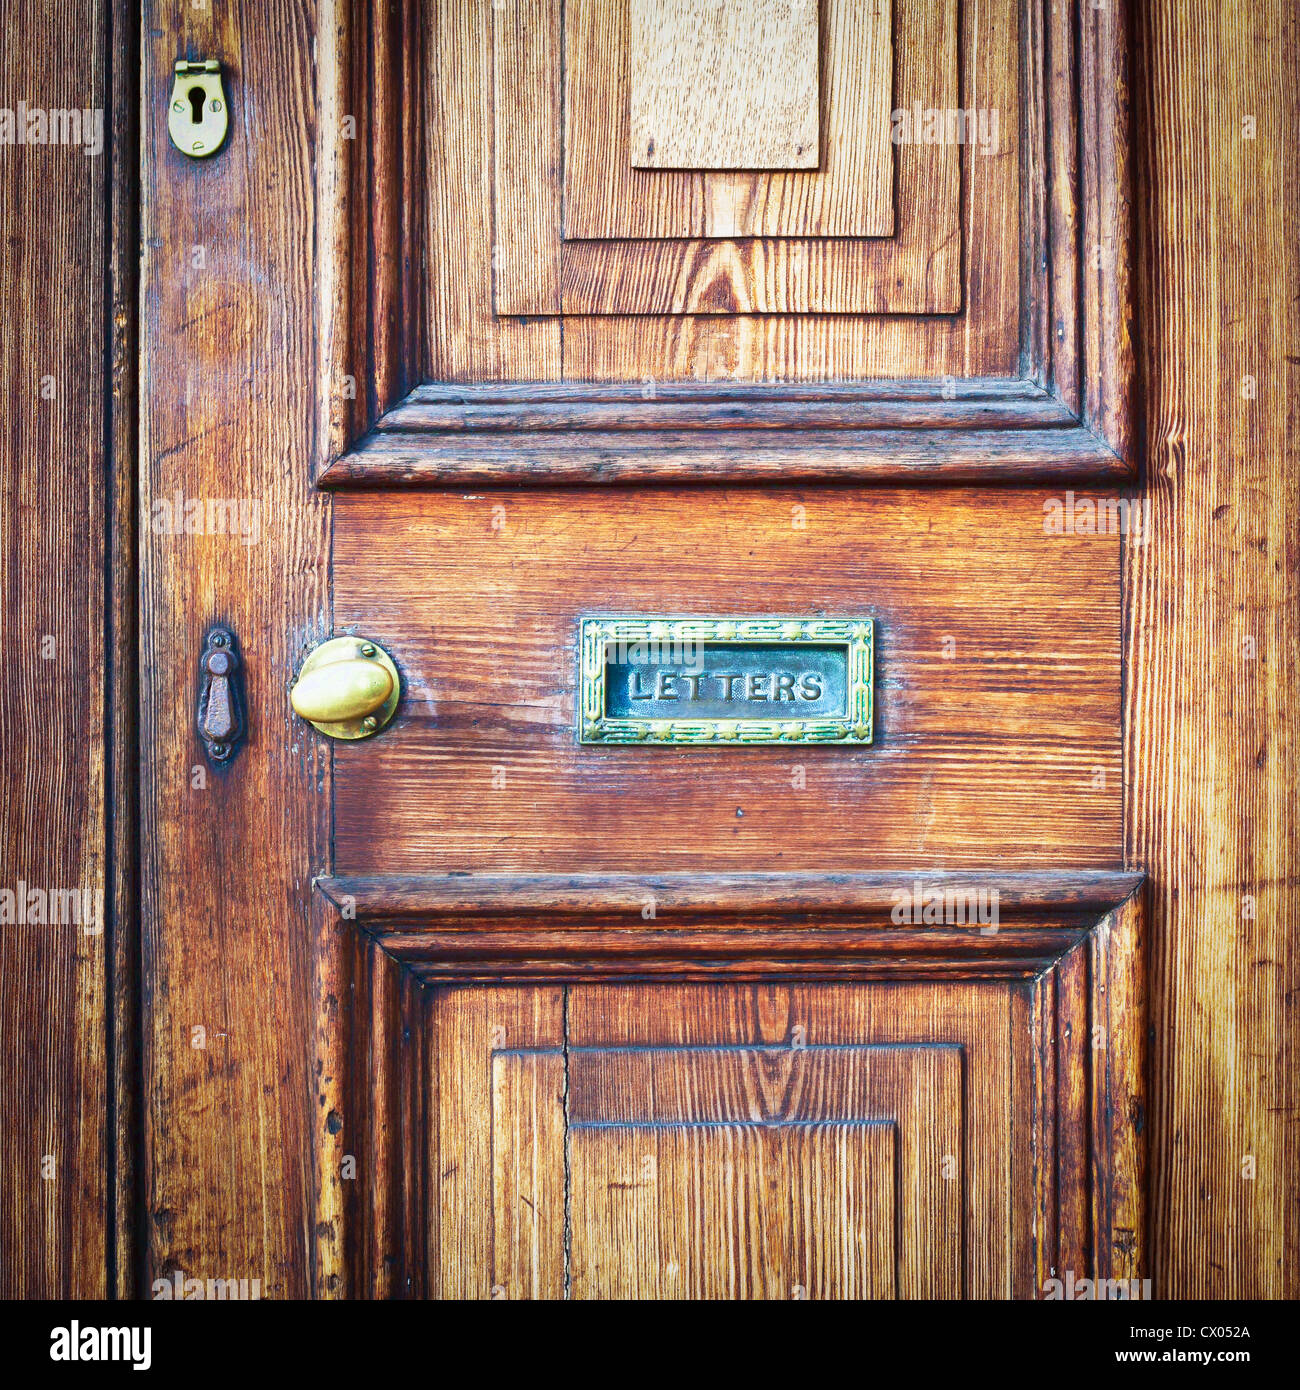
(957, 262)
(530, 1118)
(723, 86)
(584, 230)
(767, 1171)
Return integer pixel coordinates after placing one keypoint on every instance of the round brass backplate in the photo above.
(346, 674)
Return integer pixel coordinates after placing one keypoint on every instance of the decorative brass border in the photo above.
(597, 630)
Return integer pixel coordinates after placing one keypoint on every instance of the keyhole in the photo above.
(197, 99)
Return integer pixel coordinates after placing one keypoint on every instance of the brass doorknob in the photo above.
(348, 688)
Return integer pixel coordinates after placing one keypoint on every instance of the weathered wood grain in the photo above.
(527, 187)
(677, 1124)
(1120, 1091)
(974, 1019)
(1211, 639)
(467, 341)
(556, 457)
(605, 194)
(1032, 326)
(529, 1173)
(470, 1026)
(58, 1195)
(228, 402)
(851, 192)
(465, 338)
(906, 274)
(1210, 755)
(596, 1140)
(537, 927)
(723, 86)
(369, 225)
(531, 407)
(1043, 896)
(122, 668)
(531, 433)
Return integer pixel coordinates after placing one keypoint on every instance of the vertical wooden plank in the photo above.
(227, 410)
(1106, 226)
(1212, 756)
(1063, 197)
(369, 173)
(528, 1174)
(527, 155)
(371, 1117)
(604, 195)
(620, 1246)
(1117, 967)
(466, 341)
(1022, 1121)
(125, 1102)
(1035, 245)
(397, 159)
(1072, 1117)
(374, 1117)
(1042, 1125)
(471, 1026)
(734, 1211)
(341, 229)
(338, 958)
(844, 1186)
(55, 1154)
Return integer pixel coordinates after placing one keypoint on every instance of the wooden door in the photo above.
(438, 350)
(732, 1009)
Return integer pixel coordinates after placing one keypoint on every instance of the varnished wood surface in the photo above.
(1008, 747)
(126, 1100)
(851, 193)
(995, 1241)
(1060, 174)
(534, 433)
(607, 1140)
(1211, 752)
(1210, 756)
(57, 1188)
(225, 390)
(418, 458)
(1042, 895)
(480, 1212)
